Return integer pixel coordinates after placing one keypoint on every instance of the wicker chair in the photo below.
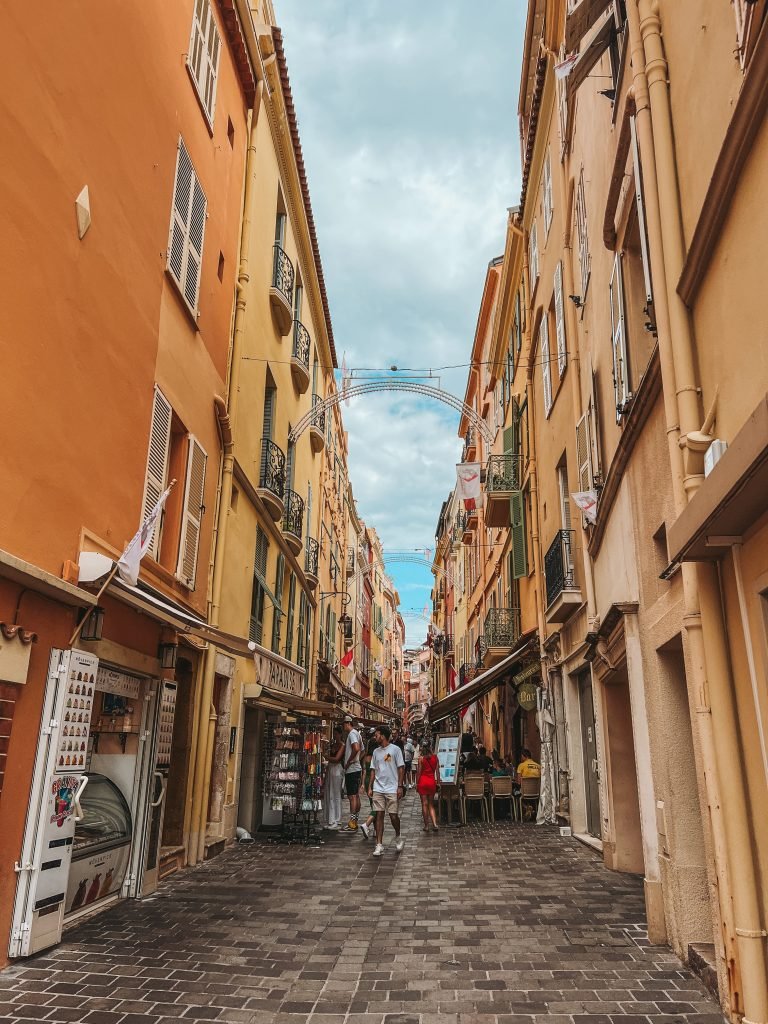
(474, 791)
(501, 789)
(529, 793)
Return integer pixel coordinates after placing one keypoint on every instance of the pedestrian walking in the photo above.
(366, 827)
(353, 771)
(387, 787)
(408, 750)
(334, 780)
(426, 785)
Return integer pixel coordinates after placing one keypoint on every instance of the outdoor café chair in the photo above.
(529, 793)
(473, 791)
(501, 789)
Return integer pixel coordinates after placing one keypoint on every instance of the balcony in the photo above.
(311, 562)
(563, 595)
(293, 520)
(470, 525)
(458, 528)
(272, 479)
(467, 673)
(281, 292)
(302, 344)
(442, 645)
(317, 426)
(350, 570)
(503, 475)
(469, 452)
(501, 633)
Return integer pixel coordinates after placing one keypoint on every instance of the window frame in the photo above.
(204, 29)
(621, 389)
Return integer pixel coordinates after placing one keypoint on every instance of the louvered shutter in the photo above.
(583, 453)
(195, 246)
(185, 244)
(269, 413)
(562, 352)
(547, 192)
(519, 552)
(546, 372)
(157, 460)
(262, 550)
(594, 429)
(643, 231)
(618, 338)
(533, 256)
(194, 497)
(204, 53)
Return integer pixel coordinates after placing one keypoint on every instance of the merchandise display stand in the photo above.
(293, 781)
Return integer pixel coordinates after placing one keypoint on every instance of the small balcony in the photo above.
(443, 645)
(311, 562)
(501, 633)
(503, 475)
(302, 344)
(317, 426)
(470, 525)
(281, 292)
(272, 479)
(458, 528)
(293, 520)
(469, 452)
(563, 595)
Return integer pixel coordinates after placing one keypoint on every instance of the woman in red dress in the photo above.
(426, 785)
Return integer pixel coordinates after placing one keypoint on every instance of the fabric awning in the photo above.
(481, 684)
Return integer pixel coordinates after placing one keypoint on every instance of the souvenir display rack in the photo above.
(293, 779)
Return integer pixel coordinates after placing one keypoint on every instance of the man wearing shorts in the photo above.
(386, 787)
(353, 771)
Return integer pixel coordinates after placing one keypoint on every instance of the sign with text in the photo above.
(277, 674)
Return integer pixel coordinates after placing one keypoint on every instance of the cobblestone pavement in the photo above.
(488, 924)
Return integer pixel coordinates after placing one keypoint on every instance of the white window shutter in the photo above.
(533, 256)
(562, 352)
(642, 228)
(195, 247)
(185, 243)
(581, 227)
(546, 373)
(157, 460)
(618, 339)
(583, 453)
(213, 49)
(547, 192)
(204, 53)
(194, 497)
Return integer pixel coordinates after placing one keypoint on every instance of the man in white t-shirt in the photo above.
(353, 771)
(386, 787)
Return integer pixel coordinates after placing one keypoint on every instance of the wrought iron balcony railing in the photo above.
(283, 273)
(318, 415)
(502, 627)
(293, 520)
(458, 526)
(311, 557)
(504, 473)
(470, 445)
(558, 565)
(272, 468)
(480, 651)
(302, 343)
(467, 673)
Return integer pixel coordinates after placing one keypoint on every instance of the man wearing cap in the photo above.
(353, 771)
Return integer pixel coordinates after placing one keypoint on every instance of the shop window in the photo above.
(187, 231)
(203, 56)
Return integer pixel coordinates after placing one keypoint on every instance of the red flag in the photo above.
(347, 659)
(451, 679)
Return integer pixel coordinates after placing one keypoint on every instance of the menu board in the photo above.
(76, 714)
(448, 747)
(165, 725)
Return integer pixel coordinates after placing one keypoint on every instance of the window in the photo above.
(581, 230)
(185, 242)
(301, 659)
(546, 190)
(277, 613)
(562, 106)
(192, 516)
(749, 18)
(289, 625)
(546, 372)
(519, 539)
(621, 390)
(562, 353)
(533, 257)
(259, 587)
(203, 57)
(157, 461)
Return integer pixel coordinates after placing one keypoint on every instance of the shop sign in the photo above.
(526, 695)
(120, 683)
(534, 669)
(278, 674)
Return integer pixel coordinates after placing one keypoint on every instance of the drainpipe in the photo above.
(710, 673)
(204, 726)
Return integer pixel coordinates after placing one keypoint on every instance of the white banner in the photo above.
(128, 566)
(587, 502)
(468, 483)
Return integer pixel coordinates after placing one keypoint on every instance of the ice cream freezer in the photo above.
(102, 844)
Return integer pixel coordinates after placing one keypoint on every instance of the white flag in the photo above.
(468, 483)
(587, 502)
(130, 560)
(564, 68)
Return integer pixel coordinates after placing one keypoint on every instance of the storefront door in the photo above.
(589, 748)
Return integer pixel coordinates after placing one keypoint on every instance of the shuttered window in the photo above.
(258, 593)
(203, 57)
(562, 352)
(290, 623)
(546, 190)
(583, 453)
(562, 106)
(581, 230)
(185, 244)
(619, 340)
(194, 505)
(565, 497)
(277, 611)
(546, 371)
(519, 541)
(533, 256)
(642, 228)
(157, 461)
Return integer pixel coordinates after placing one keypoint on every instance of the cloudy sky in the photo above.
(407, 114)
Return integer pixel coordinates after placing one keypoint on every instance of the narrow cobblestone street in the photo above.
(489, 924)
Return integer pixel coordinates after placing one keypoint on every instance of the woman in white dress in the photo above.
(334, 780)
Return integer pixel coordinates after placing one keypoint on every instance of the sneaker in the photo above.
(335, 827)
(399, 845)
(379, 851)
(351, 826)
(366, 830)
